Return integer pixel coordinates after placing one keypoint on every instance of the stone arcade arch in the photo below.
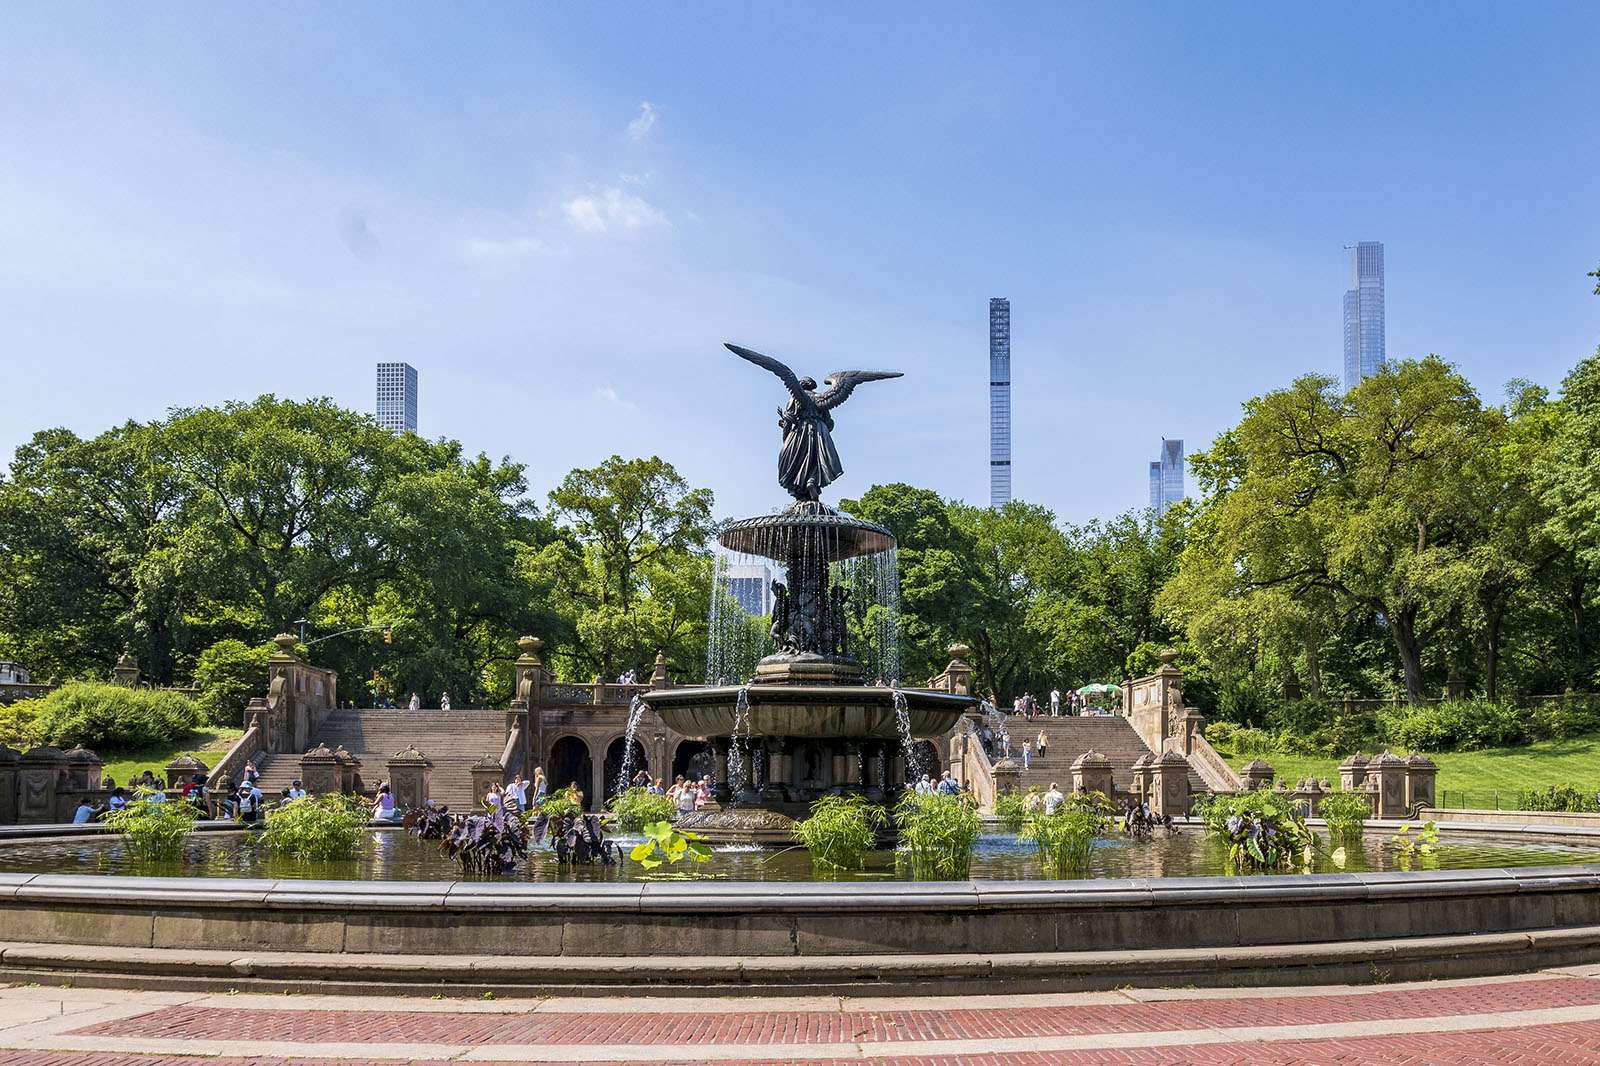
(613, 763)
(693, 759)
(570, 760)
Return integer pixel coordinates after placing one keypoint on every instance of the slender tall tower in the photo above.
(1363, 314)
(397, 397)
(999, 402)
(1166, 476)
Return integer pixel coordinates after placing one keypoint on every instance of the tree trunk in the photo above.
(1403, 627)
(1491, 653)
(1313, 661)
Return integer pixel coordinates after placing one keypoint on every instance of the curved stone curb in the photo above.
(1411, 958)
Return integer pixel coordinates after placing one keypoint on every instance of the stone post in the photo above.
(410, 774)
(1007, 775)
(529, 674)
(1191, 724)
(1169, 793)
(658, 676)
(1091, 772)
(778, 766)
(1420, 774)
(1256, 775)
(8, 784)
(126, 672)
(1143, 773)
(41, 774)
(349, 771)
(320, 772)
(181, 771)
(1310, 792)
(1353, 772)
(488, 771)
(850, 773)
(958, 673)
(720, 789)
(1291, 686)
(222, 786)
(83, 768)
(1390, 773)
(1454, 687)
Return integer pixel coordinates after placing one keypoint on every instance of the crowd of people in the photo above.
(1072, 705)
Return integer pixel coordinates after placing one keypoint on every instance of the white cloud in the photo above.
(641, 125)
(612, 209)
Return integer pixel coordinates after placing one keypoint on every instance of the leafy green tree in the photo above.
(626, 516)
(230, 674)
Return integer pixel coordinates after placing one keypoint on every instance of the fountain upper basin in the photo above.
(840, 711)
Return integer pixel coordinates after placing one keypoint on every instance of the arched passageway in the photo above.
(570, 762)
(693, 760)
(613, 764)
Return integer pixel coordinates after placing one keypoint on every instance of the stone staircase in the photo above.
(452, 741)
(1111, 735)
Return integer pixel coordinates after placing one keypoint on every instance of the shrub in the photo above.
(638, 807)
(1450, 725)
(1346, 814)
(230, 673)
(1560, 719)
(1558, 798)
(1065, 839)
(19, 723)
(154, 830)
(319, 828)
(1262, 829)
(938, 833)
(840, 831)
(100, 715)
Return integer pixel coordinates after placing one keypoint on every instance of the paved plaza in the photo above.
(1547, 1017)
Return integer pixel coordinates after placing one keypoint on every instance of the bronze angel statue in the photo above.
(809, 461)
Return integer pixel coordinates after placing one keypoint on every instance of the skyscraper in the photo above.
(1363, 314)
(999, 402)
(397, 397)
(1166, 476)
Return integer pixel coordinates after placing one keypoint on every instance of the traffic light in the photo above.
(388, 636)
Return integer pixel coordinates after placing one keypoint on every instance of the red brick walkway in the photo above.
(1544, 1019)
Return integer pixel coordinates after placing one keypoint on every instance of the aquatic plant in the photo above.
(490, 843)
(636, 808)
(154, 829)
(671, 845)
(319, 828)
(1065, 838)
(937, 834)
(576, 839)
(840, 831)
(429, 822)
(1408, 847)
(1010, 808)
(1346, 814)
(1262, 829)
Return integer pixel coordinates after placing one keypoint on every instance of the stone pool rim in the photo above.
(720, 937)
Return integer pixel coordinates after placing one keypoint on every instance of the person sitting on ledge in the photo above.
(295, 791)
(118, 800)
(383, 808)
(249, 802)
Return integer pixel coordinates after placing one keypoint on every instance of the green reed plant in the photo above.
(1011, 810)
(1346, 814)
(636, 808)
(154, 829)
(559, 806)
(840, 831)
(319, 828)
(1065, 838)
(938, 833)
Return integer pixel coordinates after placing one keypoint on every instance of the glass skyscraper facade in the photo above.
(1363, 314)
(397, 397)
(1166, 476)
(999, 402)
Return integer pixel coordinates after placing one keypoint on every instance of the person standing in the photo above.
(1055, 703)
(415, 704)
(1027, 752)
(1041, 742)
(1053, 799)
(444, 701)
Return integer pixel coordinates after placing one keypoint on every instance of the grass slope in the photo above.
(1472, 778)
(208, 744)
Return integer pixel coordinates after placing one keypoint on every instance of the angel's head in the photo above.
(809, 384)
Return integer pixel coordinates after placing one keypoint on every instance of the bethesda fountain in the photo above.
(807, 723)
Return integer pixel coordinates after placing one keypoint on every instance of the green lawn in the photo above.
(1489, 778)
(209, 744)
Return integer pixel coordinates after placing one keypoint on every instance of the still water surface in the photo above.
(396, 856)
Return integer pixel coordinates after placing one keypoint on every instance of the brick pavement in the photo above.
(1549, 1018)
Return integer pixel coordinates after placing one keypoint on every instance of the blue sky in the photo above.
(558, 213)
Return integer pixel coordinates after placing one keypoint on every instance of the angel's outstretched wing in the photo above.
(844, 382)
(787, 376)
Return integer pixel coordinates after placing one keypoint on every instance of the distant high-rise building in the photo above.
(999, 402)
(1166, 476)
(397, 397)
(751, 587)
(1363, 314)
